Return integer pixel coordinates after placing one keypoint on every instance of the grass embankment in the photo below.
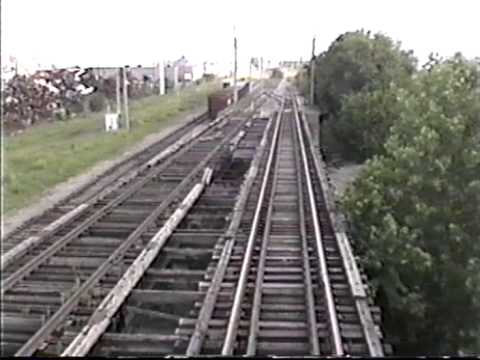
(47, 155)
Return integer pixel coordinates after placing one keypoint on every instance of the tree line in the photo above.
(414, 211)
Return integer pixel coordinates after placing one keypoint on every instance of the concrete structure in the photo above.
(138, 72)
(184, 72)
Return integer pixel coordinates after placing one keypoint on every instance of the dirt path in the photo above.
(61, 191)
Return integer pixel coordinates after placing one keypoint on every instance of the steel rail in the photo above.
(49, 230)
(370, 330)
(201, 327)
(309, 298)
(257, 297)
(233, 322)
(323, 270)
(29, 348)
(101, 318)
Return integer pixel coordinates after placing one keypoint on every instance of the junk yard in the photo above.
(322, 204)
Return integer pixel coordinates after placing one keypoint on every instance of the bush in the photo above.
(97, 102)
(75, 107)
(364, 122)
(415, 211)
(302, 80)
(276, 74)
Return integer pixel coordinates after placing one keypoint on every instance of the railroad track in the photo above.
(91, 191)
(287, 284)
(103, 202)
(60, 277)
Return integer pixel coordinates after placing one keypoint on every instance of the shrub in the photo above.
(97, 102)
(364, 122)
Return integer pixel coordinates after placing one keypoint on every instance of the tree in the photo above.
(302, 80)
(415, 211)
(276, 74)
(358, 61)
(363, 125)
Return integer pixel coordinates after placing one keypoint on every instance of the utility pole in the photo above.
(250, 76)
(312, 74)
(125, 98)
(175, 79)
(235, 93)
(16, 65)
(261, 67)
(250, 70)
(119, 110)
(161, 78)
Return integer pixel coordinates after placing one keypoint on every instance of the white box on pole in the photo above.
(111, 122)
(161, 75)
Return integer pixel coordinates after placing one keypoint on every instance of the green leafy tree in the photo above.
(359, 61)
(301, 80)
(415, 211)
(364, 122)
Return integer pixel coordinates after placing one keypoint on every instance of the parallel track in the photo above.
(42, 287)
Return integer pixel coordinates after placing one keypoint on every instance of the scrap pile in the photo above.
(28, 99)
(60, 94)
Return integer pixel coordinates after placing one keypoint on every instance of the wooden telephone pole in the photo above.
(235, 92)
(125, 99)
(312, 74)
(119, 110)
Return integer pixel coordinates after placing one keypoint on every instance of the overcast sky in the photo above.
(118, 32)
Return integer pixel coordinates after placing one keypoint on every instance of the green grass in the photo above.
(49, 154)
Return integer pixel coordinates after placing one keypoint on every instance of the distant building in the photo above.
(291, 64)
(184, 74)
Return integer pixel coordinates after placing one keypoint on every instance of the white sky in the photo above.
(119, 32)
